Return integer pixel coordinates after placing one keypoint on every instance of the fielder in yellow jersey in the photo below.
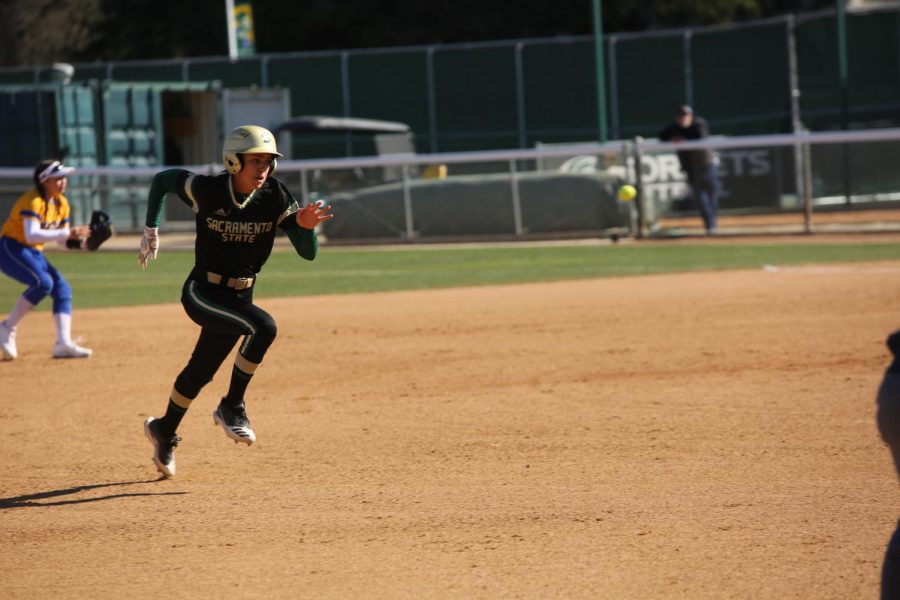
(31, 207)
(39, 216)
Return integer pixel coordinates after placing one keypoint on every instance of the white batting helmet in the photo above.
(248, 139)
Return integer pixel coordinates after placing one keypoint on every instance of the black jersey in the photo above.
(235, 234)
(693, 162)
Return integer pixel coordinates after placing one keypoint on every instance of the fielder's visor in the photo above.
(55, 170)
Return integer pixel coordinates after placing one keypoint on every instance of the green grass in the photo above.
(115, 279)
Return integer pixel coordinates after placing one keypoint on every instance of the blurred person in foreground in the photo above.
(701, 166)
(889, 427)
(41, 215)
(238, 213)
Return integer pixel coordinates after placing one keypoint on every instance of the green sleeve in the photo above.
(163, 183)
(304, 240)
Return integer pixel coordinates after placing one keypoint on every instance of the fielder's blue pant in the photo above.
(889, 426)
(705, 188)
(30, 267)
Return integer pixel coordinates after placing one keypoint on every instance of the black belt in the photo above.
(238, 283)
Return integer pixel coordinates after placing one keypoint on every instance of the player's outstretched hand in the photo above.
(313, 214)
(82, 232)
(149, 246)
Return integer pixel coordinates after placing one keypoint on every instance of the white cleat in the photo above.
(72, 350)
(234, 423)
(8, 342)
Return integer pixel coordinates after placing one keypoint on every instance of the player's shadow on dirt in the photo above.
(32, 500)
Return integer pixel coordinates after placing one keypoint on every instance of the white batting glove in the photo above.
(149, 246)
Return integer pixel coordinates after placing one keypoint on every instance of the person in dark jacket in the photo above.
(700, 166)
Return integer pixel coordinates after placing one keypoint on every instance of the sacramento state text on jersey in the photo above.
(234, 231)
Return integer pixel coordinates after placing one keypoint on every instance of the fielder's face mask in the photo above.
(55, 170)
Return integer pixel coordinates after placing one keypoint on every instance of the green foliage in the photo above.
(690, 12)
(39, 32)
(81, 31)
(114, 278)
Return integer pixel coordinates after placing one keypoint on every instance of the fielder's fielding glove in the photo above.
(101, 229)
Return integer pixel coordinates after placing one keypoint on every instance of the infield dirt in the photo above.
(706, 435)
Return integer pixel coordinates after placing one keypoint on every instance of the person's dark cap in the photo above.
(684, 109)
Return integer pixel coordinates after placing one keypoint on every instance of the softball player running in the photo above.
(236, 215)
(40, 215)
(888, 419)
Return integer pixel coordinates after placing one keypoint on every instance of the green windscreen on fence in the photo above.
(18, 76)
(740, 79)
(149, 72)
(232, 75)
(649, 83)
(22, 113)
(874, 68)
(88, 73)
(873, 71)
(392, 87)
(476, 99)
(316, 89)
(510, 94)
(560, 92)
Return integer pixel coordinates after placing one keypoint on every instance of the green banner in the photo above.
(243, 25)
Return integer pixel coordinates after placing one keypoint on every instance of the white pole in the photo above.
(407, 205)
(800, 162)
(232, 30)
(517, 203)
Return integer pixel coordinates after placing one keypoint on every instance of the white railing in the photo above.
(805, 173)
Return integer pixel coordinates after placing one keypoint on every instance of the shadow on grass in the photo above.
(34, 500)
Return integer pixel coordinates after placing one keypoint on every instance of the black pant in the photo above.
(224, 315)
(889, 426)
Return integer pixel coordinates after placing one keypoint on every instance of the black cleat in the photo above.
(163, 447)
